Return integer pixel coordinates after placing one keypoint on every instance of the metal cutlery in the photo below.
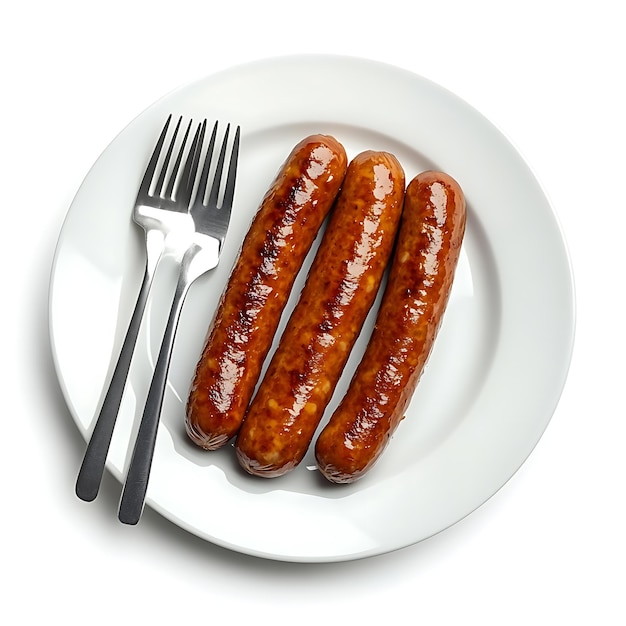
(161, 209)
(211, 219)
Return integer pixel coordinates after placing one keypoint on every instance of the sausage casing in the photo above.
(278, 240)
(413, 304)
(339, 291)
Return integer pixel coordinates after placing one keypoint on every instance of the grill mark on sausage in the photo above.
(280, 236)
(415, 298)
(338, 293)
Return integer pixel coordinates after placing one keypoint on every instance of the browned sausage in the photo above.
(423, 267)
(280, 236)
(339, 291)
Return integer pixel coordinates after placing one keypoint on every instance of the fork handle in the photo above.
(92, 468)
(136, 485)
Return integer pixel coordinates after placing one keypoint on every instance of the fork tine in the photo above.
(144, 188)
(190, 169)
(210, 219)
(229, 190)
(215, 187)
(173, 176)
(161, 181)
(204, 176)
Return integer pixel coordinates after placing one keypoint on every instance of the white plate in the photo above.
(497, 369)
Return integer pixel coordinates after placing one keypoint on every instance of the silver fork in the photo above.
(211, 223)
(161, 209)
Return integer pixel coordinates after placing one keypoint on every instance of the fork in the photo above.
(161, 209)
(211, 223)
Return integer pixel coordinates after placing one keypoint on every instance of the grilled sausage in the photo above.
(280, 236)
(421, 275)
(339, 291)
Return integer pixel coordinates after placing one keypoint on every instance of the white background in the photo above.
(548, 548)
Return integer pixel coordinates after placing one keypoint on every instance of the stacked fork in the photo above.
(164, 210)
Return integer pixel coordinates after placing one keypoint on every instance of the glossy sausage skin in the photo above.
(339, 291)
(278, 240)
(419, 283)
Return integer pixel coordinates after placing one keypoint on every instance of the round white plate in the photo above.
(494, 377)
